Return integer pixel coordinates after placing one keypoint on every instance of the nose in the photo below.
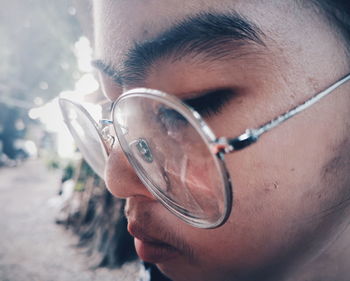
(120, 177)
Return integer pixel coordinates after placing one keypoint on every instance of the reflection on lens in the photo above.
(172, 158)
(155, 173)
(144, 150)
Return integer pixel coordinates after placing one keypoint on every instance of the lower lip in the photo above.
(154, 252)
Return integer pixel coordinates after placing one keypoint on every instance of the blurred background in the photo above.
(44, 53)
(51, 202)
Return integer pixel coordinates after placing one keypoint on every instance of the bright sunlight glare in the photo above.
(83, 52)
(50, 115)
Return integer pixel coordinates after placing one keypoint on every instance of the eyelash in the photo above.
(210, 103)
(171, 119)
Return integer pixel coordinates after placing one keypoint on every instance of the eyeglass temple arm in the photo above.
(252, 135)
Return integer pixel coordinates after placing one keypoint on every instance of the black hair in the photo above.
(338, 13)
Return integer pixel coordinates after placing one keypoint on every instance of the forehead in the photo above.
(119, 24)
(294, 33)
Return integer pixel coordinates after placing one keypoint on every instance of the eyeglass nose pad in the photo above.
(109, 140)
(106, 134)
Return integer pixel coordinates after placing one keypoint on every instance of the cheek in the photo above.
(276, 181)
(279, 191)
(283, 170)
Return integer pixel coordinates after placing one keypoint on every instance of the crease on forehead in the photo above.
(214, 36)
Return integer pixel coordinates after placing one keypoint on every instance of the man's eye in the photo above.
(207, 105)
(211, 103)
(171, 119)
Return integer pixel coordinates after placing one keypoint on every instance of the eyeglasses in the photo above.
(171, 148)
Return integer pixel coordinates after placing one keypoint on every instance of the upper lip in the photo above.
(141, 234)
(140, 225)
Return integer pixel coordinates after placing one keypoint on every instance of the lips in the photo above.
(151, 249)
(153, 252)
(152, 242)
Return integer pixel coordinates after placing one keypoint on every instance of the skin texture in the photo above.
(290, 214)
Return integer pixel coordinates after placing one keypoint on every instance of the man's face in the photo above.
(285, 185)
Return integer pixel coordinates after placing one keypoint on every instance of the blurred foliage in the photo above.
(36, 57)
(53, 164)
(97, 218)
(68, 172)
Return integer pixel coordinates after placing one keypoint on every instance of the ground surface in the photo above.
(32, 246)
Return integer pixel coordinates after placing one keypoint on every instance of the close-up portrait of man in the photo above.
(228, 134)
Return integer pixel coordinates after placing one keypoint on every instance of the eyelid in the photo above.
(211, 102)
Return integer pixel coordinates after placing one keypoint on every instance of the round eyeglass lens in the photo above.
(86, 135)
(171, 154)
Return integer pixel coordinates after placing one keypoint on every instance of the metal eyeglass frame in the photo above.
(219, 146)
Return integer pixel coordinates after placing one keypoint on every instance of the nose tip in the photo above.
(121, 179)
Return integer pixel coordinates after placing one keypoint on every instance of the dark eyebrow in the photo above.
(209, 34)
